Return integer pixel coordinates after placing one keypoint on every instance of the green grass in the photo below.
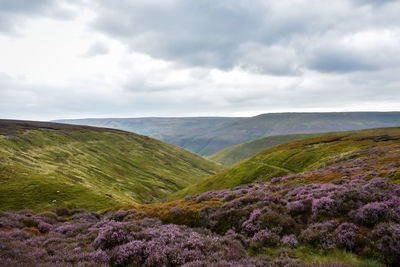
(235, 154)
(46, 164)
(294, 157)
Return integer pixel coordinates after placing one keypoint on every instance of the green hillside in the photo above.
(297, 157)
(235, 154)
(49, 164)
(209, 135)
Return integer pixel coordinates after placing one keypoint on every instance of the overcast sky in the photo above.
(135, 58)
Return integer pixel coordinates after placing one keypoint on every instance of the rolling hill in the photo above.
(344, 212)
(232, 155)
(50, 164)
(207, 136)
(301, 156)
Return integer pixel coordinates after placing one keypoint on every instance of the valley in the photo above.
(102, 197)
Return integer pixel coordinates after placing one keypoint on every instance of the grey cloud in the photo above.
(373, 2)
(331, 59)
(216, 34)
(97, 49)
(14, 13)
(195, 33)
(276, 60)
(23, 6)
(189, 32)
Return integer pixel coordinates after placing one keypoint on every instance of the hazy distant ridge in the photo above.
(208, 135)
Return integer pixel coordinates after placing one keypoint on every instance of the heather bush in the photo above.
(371, 213)
(47, 216)
(290, 241)
(99, 257)
(264, 238)
(8, 219)
(324, 206)
(87, 217)
(171, 245)
(110, 235)
(345, 235)
(349, 199)
(297, 207)
(15, 235)
(119, 215)
(319, 234)
(252, 225)
(385, 239)
(70, 229)
(131, 253)
(232, 235)
(63, 211)
(379, 189)
(44, 227)
(221, 219)
(393, 208)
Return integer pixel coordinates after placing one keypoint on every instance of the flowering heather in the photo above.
(386, 240)
(290, 241)
(44, 227)
(345, 235)
(265, 238)
(372, 213)
(111, 235)
(324, 206)
(357, 211)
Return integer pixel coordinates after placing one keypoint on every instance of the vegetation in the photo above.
(300, 156)
(350, 221)
(207, 136)
(326, 201)
(43, 165)
(235, 154)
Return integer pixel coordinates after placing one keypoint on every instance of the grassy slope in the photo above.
(177, 131)
(85, 163)
(294, 157)
(207, 136)
(235, 154)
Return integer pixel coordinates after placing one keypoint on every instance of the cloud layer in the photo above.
(186, 57)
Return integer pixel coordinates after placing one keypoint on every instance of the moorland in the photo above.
(87, 196)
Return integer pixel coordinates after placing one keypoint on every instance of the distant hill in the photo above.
(301, 156)
(207, 136)
(177, 131)
(232, 155)
(50, 164)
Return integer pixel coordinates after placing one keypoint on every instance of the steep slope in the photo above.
(177, 131)
(207, 136)
(235, 154)
(51, 164)
(303, 155)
